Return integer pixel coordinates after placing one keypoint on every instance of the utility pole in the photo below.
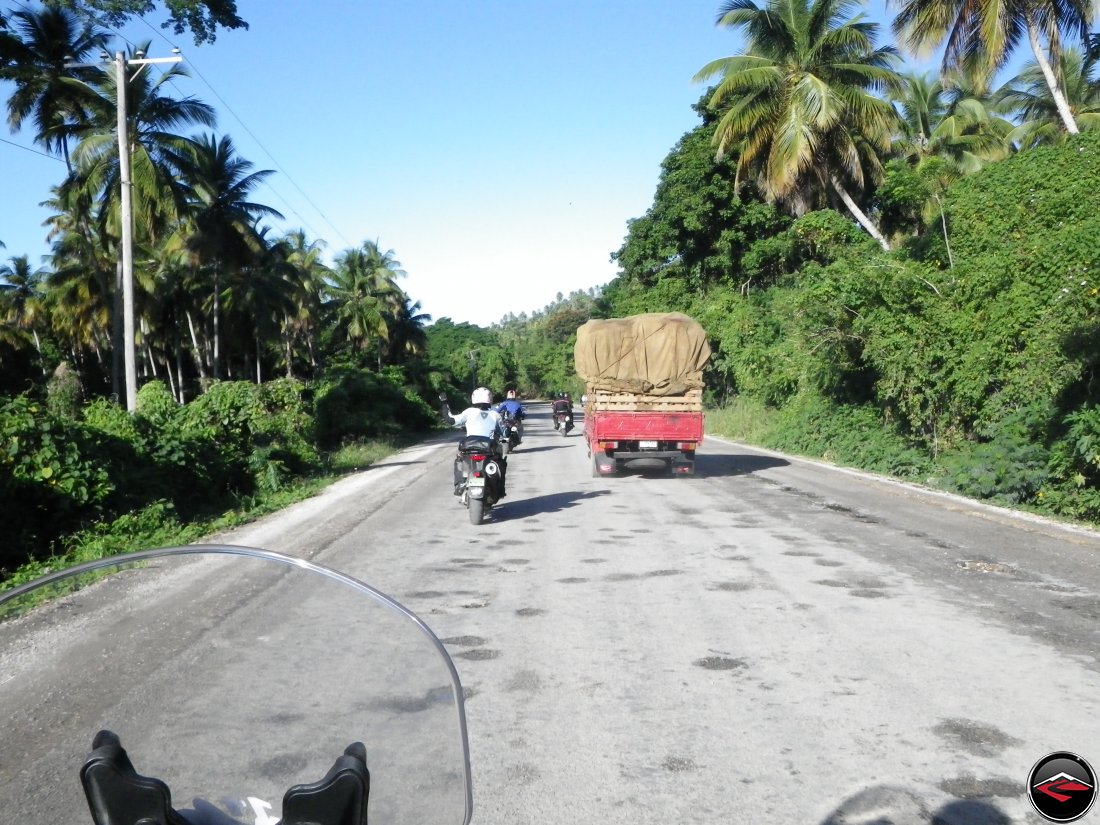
(128, 337)
(126, 205)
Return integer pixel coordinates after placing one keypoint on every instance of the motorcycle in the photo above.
(563, 421)
(478, 475)
(513, 427)
(224, 682)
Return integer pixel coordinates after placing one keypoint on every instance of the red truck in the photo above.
(621, 427)
(644, 388)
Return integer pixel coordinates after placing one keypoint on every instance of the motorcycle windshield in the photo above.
(231, 674)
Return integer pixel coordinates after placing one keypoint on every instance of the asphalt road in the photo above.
(771, 640)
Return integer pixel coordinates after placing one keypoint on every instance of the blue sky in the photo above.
(498, 147)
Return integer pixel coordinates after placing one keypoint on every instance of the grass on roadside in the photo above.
(743, 419)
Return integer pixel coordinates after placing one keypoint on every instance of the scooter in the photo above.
(478, 476)
(563, 421)
(221, 685)
(513, 428)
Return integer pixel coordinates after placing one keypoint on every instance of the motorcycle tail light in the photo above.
(478, 457)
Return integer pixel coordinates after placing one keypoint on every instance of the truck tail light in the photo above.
(609, 445)
(689, 446)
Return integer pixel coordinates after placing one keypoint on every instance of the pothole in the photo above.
(979, 566)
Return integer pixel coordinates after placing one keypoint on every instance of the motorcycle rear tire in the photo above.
(477, 510)
(505, 448)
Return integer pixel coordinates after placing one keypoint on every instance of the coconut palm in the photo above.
(1029, 97)
(21, 299)
(308, 278)
(80, 288)
(949, 122)
(407, 336)
(983, 35)
(798, 105)
(220, 226)
(362, 294)
(39, 56)
(155, 120)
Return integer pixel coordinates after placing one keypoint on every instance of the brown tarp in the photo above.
(660, 353)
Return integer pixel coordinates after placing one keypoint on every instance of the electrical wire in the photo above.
(32, 150)
(279, 166)
(228, 108)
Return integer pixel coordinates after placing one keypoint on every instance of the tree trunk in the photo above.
(171, 380)
(116, 334)
(259, 376)
(1052, 81)
(860, 216)
(217, 330)
(195, 348)
(946, 240)
(38, 348)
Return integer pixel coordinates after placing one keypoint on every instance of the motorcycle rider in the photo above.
(480, 420)
(511, 407)
(563, 404)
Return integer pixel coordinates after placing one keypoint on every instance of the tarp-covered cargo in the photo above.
(659, 353)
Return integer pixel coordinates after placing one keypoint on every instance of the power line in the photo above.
(32, 150)
(278, 165)
(231, 111)
(290, 207)
(251, 134)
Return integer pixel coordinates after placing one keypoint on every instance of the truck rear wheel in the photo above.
(602, 465)
(683, 467)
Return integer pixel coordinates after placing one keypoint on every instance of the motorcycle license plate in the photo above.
(647, 445)
(476, 482)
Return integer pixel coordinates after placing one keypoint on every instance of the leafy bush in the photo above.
(1009, 464)
(352, 404)
(847, 434)
(47, 481)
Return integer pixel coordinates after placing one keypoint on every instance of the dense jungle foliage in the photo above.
(974, 370)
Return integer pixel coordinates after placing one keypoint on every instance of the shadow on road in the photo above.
(554, 502)
(521, 450)
(901, 806)
(735, 465)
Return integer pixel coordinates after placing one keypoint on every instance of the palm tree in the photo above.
(308, 278)
(220, 227)
(39, 62)
(154, 120)
(982, 35)
(798, 103)
(407, 336)
(1029, 97)
(952, 122)
(362, 295)
(21, 301)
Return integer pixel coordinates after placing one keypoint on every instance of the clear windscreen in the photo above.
(231, 675)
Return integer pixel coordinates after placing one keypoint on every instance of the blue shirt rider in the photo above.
(510, 407)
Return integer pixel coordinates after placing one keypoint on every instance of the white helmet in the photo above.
(482, 395)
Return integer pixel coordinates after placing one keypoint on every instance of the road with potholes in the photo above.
(771, 640)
